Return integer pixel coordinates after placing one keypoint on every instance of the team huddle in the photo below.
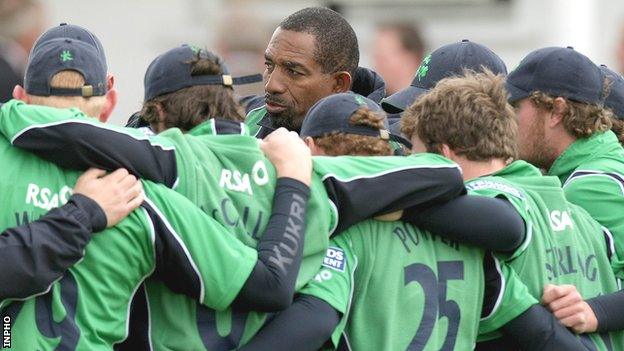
(475, 209)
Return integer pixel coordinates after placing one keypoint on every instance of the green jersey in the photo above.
(399, 288)
(221, 169)
(88, 308)
(592, 173)
(563, 244)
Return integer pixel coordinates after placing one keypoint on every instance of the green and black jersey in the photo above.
(402, 288)
(220, 168)
(592, 173)
(88, 308)
(563, 244)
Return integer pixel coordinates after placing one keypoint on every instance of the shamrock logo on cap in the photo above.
(360, 100)
(424, 67)
(66, 55)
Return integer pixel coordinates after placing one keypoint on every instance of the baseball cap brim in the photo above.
(514, 93)
(401, 100)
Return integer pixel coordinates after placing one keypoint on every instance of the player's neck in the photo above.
(475, 169)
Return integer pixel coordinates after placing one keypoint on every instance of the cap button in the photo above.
(63, 24)
(67, 40)
(465, 40)
(570, 47)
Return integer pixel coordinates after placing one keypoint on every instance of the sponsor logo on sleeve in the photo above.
(335, 259)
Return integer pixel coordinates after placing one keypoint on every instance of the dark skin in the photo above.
(294, 81)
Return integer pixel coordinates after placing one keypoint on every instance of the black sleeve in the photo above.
(609, 311)
(34, 255)
(413, 188)
(78, 145)
(306, 325)
(271, 285)
(490, 223)
(538, 329)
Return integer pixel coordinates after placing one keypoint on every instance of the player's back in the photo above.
(88, 307)
(93, 295)
(412, 289)
(564, 245)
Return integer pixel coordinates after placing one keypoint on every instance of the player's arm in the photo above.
(197, 256)
(73, 140)
(318, 314)
(604, 313)
(537, 329)
(364, 187)
(34, 255)
(491, 223)
(306, 325)
(508, 305)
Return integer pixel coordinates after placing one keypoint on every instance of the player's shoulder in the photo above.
(494, 186)
(593, 179)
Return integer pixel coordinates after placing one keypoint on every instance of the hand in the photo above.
(289, 154)
(118, 193)
(569, 308)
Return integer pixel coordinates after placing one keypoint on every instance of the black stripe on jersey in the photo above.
(579, 174)
(494, 285)
(343, 343)
(416, 188)
(88, 145)
(174, 267)
(138, 336)
(224, 127)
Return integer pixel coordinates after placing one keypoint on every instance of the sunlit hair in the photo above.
(92, 106)
(339, 143)
(468, 113)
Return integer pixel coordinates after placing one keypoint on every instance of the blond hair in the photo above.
(581, 120)
(468, 113)
(92, 106)
(339, 143)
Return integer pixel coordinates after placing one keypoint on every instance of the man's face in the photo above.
(533, 145)
(294, 81)
(395, 64)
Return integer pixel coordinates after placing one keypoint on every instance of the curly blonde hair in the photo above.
(468, 113)
(581, 120)
(339, 143)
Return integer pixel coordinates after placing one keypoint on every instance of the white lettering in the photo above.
(237, 181)
(560, 220)
(31, 194)
(45, 198)
(260, 174)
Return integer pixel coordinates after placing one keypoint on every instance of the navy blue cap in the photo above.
(448, 60)
(556, 71)
(75, 32)
(333, 114)
(615, 99)
(61, 54)
(171, 72)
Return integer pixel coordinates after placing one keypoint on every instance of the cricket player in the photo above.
(564, 245)
(393, 286)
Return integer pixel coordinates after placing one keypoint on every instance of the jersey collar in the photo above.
(582, 150)
(218, 126)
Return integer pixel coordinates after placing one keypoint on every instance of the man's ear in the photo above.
(19, 93)
(447, 152)
(110, 81)
(109, 105)
(342, 82)
(560, 106)
(314, 149)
